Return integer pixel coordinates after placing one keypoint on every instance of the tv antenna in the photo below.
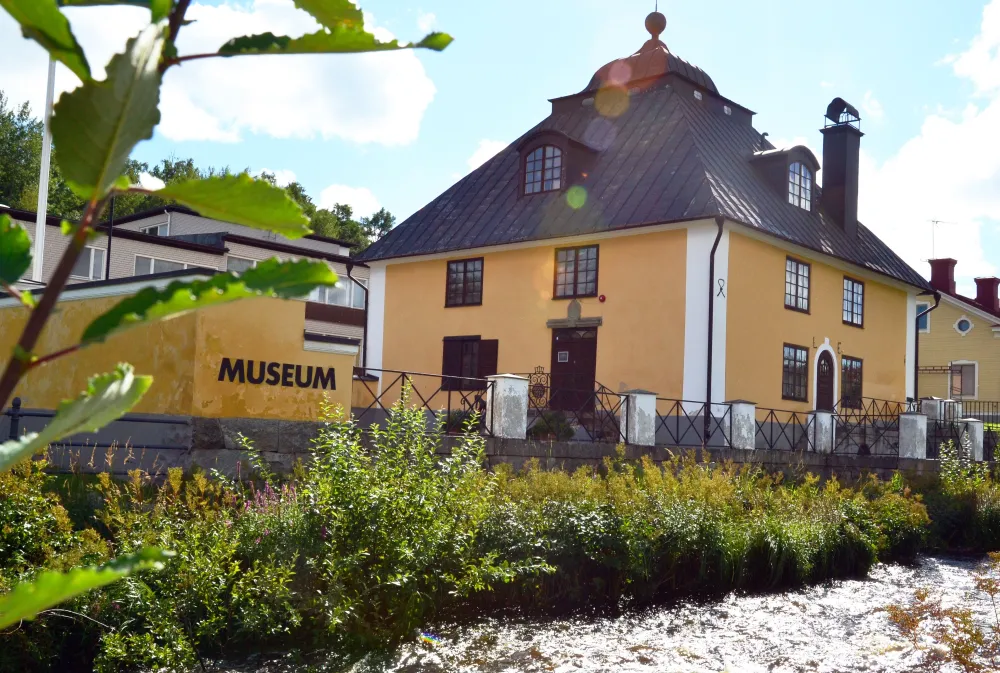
(934, 224)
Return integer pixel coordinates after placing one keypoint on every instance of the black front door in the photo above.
(574, 368)
(824, 382)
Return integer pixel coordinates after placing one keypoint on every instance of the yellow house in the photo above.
(645, 236)
(959, 340)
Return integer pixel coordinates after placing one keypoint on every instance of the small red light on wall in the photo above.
(601, 299)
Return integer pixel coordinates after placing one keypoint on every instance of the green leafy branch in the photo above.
(96, 127)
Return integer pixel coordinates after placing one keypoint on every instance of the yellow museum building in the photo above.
(645, 235)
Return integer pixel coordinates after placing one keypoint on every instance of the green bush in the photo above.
(380, 535)
(964, 503)
(552, 425)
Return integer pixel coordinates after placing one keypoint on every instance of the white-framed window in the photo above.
(239, 264)
(963, 325)
(156, 230)
(963, 380)
(145, 266)
(89, 265)
(344, 293)
(800, 186)
(923, 321)
(358, 294)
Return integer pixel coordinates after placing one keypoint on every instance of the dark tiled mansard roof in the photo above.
(670, 156)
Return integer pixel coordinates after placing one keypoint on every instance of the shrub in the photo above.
(551, 425)
(964, 502)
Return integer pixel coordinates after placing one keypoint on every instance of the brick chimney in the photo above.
(943, 275)
(841, 158)
(986, 293)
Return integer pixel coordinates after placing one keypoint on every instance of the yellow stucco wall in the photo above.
(944, 345)
(758, 324)
(184, 356)
(66, 377)
(639, 345)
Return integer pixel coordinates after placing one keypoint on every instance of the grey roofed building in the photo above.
(673, 150)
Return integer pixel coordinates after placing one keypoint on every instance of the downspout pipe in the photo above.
(364, 333)
(916, 344)
(719, 221)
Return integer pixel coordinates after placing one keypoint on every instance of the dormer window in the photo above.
(800, 181)
(543, 170)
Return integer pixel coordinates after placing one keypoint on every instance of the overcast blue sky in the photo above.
(397, 129)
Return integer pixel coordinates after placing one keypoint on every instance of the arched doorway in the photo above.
(825, 382)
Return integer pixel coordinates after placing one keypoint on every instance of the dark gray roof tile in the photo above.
(670, 158)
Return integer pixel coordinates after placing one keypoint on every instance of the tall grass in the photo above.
(380, 534)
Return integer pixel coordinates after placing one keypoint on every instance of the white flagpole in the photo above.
(43, 177)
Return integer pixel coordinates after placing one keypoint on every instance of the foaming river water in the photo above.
(839, 626)
(829, 628)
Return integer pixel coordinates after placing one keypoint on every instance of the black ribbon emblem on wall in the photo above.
(722, 288)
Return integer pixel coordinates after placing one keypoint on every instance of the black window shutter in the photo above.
(451, 364)
(488, 352)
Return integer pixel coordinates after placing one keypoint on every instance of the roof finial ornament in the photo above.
(656, 23)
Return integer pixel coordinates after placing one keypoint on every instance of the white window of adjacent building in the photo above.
(358, 294)
(344, 293)
(923, 321)
(964, 380)
(156, 230)
(89, 265)
(239, 264)
(145, 266)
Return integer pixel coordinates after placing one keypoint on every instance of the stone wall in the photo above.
(214, 443)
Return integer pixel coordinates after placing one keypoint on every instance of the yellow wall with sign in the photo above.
(759, 325)
(943, 344)
(184, 356)
(267, 330)
(639, 345)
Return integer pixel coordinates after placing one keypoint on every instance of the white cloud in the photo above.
(872, 107)
(283, 177)
(485, 151)
(363, 98)
(360, 199)
(981, 62)
(949, 171)
(150, 182)
(426, 22)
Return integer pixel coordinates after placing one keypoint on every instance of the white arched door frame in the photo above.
(825, 347)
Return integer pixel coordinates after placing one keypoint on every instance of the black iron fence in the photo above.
(942, 431)
(685, 424)
(984, 410)
(873, 407)
(576, 414)
(449, 402)
(783, 430)
(987, 411)
(145, 441)
(871, 431)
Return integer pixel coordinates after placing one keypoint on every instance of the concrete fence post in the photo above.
(974, 427)
(639, 417)
(744, 425)
(507, 407)
(951, 410)
(821, 438)
(931, 408)
(912, 435)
